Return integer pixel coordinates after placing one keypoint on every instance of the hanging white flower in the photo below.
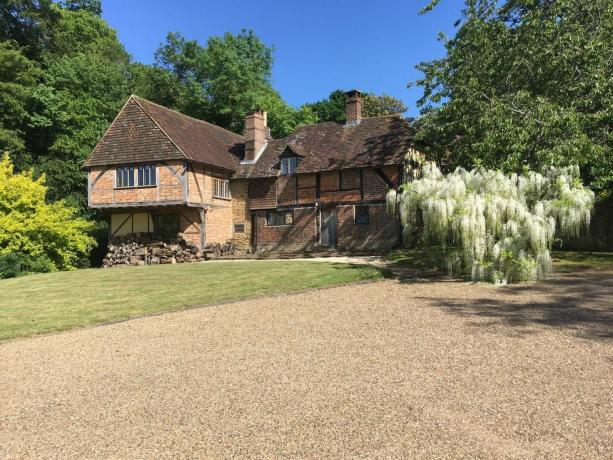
(503, 226)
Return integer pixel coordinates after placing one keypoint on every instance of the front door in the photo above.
(328, 227)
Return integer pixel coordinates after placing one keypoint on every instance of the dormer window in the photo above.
(288, 165)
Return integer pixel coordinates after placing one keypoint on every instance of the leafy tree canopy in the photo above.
(333, 107)
(91, 6)
(224, 80)
(524, 83)
(36, 235)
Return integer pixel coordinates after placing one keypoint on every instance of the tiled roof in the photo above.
(376, 141)
(144, 131)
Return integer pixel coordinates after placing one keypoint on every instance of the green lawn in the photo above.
(569, 261)
(53, 302)
(563, 261)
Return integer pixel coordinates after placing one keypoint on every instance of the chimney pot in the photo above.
(353, 107)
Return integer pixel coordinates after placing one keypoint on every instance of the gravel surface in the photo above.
(387, 369)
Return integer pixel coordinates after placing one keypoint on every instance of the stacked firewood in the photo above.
(146, 249)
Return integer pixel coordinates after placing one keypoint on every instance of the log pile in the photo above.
(146, 249)
(143, 249)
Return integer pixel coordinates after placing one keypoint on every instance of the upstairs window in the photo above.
(361, 215)
(124, 176)
(145, 176)
(222, 189)
(288, 165)
(277, 218)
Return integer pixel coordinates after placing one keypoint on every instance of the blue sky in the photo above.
(319, 45)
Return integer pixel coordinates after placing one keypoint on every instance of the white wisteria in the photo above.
(495, 227)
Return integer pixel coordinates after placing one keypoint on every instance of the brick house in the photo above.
(156, 170)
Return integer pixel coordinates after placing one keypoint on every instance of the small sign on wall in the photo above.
(239, 228)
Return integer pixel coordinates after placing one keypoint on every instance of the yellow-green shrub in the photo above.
(36, 235)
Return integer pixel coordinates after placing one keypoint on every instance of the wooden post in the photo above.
(202, 228)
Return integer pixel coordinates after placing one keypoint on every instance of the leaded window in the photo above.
(288, 165)
(276, 218)
(139, 176)
(124, 176)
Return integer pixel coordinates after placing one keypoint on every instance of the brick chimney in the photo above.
(353, 107)
(256, 134)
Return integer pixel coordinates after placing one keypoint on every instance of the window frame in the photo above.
(147, 171)
(291, 164)
(166, 217)
(224, 188)
(132, 176)
(286, 213)
(355, 214)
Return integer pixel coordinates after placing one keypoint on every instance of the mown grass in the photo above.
(563, 261)
(60, 301)
(569, 261)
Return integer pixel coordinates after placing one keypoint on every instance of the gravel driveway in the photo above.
(422, 370)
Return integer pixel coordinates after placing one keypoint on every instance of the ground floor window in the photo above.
(361, 215)
(275, 218)
(167, 224)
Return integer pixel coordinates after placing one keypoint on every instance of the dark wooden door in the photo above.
(328, 227)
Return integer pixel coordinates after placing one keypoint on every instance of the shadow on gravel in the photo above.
(581, 303)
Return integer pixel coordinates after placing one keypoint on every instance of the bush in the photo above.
(36, 236)
(495, 227)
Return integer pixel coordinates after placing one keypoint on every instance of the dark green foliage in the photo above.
(333, 107)
(223, 81)
(16, 264)
(91, 6)
(29, 23)
(524, 84)
(330, 109)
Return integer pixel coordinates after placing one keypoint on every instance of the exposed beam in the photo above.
(385, 179)
(130, 216)
(202, 228)
(153, 204)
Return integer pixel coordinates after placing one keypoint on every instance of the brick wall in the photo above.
(302, 235)
(381, 232)
(286, 190)
(241, 214)
(262, 193)
(189, 225)
(218, 225)
(374, 187)
(103, 191)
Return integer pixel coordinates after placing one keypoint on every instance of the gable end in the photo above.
(133, 138)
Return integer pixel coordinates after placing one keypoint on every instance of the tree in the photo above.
(524, 84)
(29, 23)
(376, 106)
(84, 84)
(333, 107)
(225, 80)
(36, 235)
(494, 227)
(18, 79)
(330, 109)
(91, 6)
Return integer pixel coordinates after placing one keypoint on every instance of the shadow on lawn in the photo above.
(580, 302)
